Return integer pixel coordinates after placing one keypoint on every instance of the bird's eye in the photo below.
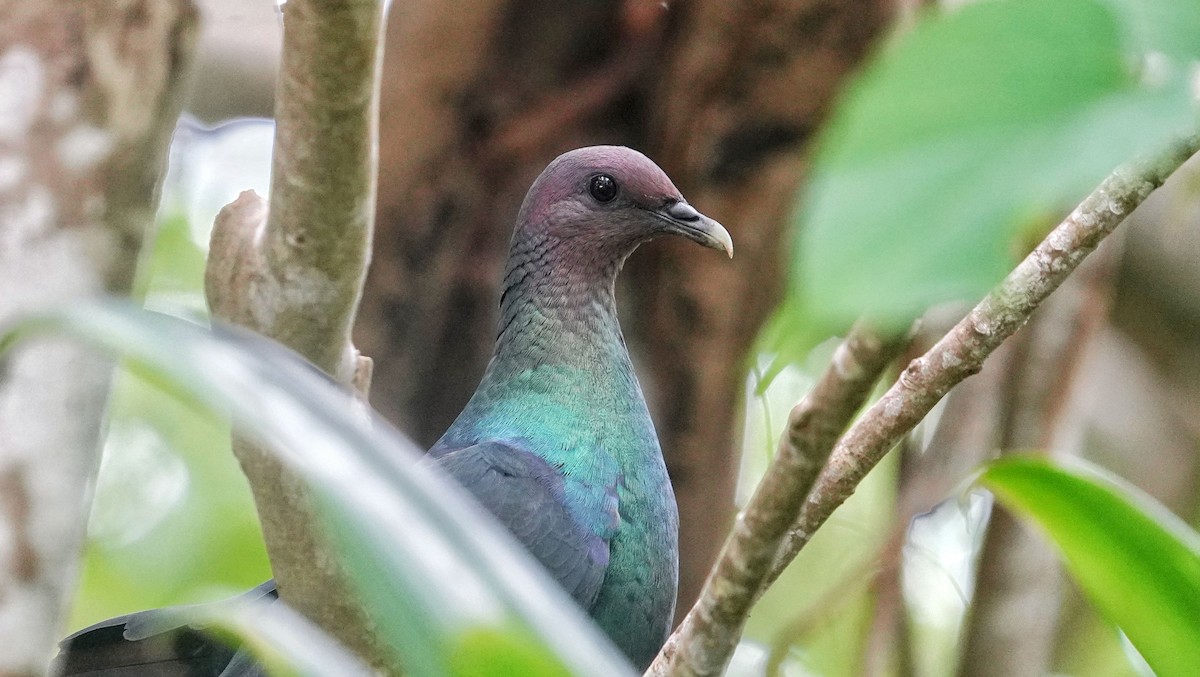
(603, 187)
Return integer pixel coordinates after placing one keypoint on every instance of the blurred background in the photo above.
(915, 575)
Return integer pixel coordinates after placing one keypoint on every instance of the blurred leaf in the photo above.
(428, 556)
(505, 648)
(1168, 26)
(975, 122)
(488, 652)
(175, 264)
(789, 336)
(168, 484)
(1135, 560)
(168, 481)
(284, 641)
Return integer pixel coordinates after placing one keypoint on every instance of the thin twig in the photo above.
(705, 640)
(962, 351)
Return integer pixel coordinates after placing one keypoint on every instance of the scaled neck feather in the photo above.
(558, 304)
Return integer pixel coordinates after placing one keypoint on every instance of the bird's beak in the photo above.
(683, 219)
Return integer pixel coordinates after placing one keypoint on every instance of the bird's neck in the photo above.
(558, 306)
(560, 374)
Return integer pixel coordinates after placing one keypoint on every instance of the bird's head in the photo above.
(601, 202)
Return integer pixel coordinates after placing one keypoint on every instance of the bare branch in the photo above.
(962, 351)
(295, 272)
(91, 94)
(704, 641)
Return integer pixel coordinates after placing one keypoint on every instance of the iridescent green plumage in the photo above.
(561, 392)
(556, 442)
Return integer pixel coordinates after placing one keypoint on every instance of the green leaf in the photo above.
(168, 484)
(1168, 26)
(1137, 562)
(974, 124)
(175, 264)
(431, 558)
(789, 337)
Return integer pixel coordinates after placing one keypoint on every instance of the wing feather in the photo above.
(526, 494)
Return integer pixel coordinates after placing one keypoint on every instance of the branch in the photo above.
(93, 91)
(1019, 575)
(749, 560)
(962, 351)
(295, 273)
(704, 641)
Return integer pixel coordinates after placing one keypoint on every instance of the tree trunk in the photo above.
(91, 95)
(724, 97)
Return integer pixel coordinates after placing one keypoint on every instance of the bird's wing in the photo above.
(155, 643)
(526, 494)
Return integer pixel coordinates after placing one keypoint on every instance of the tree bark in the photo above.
(723, 95)
(91, 92)
(295, 273)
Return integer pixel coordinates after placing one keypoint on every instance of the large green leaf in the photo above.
(1136, 561)
(440, 572)
(168, 482)
(1171, 27)
(974, 126)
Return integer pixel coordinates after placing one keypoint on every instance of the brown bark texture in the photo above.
(89, 95)
(478, 97)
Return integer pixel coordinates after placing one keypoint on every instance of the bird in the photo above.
(557, 441)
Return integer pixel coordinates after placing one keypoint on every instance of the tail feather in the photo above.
(156, 643)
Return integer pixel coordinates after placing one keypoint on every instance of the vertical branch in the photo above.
(294, 272)
(91, 92)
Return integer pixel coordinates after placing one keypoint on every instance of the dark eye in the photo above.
(603, 187)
